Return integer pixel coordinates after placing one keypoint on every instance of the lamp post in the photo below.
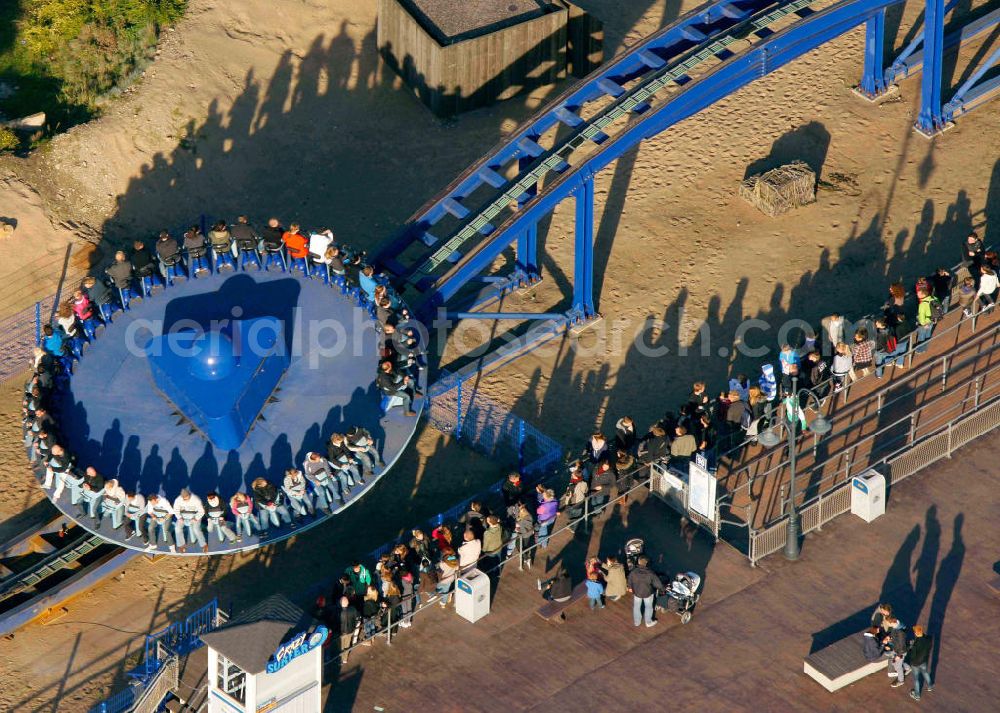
(771, 438)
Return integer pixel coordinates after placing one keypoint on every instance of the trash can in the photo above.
(472, 595)
(868, 495)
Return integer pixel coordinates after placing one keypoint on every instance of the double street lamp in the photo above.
(771, 437)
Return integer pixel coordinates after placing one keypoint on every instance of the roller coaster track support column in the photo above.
(583, 270)
(930, 121)
(873, 75)
(527, 240)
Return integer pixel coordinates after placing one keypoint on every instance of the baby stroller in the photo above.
(681, 596)
(634, 549)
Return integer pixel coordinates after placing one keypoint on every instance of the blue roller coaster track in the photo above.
(440, 258)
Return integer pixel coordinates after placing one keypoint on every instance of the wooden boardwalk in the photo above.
(931, 555)
(754, 480)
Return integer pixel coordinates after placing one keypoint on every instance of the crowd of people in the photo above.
(825, 361)
(424, 569)
(364, 602)
(908, 652)
(324, 479)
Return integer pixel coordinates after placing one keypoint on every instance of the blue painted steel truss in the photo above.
(926, 53)
(458, 237)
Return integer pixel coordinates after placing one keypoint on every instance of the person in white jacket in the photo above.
(159, 514)
(112, 503)
(988, 285)
(135, 513)
(189, 513)
(469, 551)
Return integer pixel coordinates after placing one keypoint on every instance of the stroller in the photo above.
(680, 596)
(634, 549)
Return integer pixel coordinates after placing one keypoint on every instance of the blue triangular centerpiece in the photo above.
(220, 380)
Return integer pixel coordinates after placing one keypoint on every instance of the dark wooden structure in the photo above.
(458, 55)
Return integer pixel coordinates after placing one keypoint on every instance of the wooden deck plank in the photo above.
(748, 637)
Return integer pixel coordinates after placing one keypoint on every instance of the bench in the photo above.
(554, 610)
(841, 664)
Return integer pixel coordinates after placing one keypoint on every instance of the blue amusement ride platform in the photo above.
(219, 380)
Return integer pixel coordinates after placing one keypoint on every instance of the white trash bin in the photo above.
(472, 595)
(868, 495)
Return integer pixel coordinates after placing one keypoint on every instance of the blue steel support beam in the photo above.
(965, 95)
(527, 251)
(909, 59)
(527, 240)
(872, 76)
(583, 270)
(606, 80)
(738, 71)
(930, 121)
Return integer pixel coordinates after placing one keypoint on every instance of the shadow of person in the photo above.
(175, 476)
(947, 578)
(281, 457)
(231, 475)
(205, 471)
(152, 471)
(256, 469)
(897, 590)
(111, 449)
(572, 556)
(924, 567)
(131, 465)
(311, 441)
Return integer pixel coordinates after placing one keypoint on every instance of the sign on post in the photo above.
(701, 490)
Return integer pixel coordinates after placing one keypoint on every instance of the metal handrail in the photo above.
(520, 551)
(755, 534)
(164, 681)
(911, 377)
(977, 398)
(867, 320)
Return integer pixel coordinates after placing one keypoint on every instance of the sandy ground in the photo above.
(283, 108)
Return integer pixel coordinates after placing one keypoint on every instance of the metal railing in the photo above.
(730, 449)
(181, 637)
(513, 547)
(168, 644)
(901, 464)
(488, 426)
(165, 681)
(972, 365)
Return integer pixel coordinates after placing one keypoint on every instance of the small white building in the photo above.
(269, 659)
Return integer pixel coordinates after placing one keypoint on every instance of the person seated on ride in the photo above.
(142, 260)
(243, 234)
(221, 239)
(167, 251)
(296, 243)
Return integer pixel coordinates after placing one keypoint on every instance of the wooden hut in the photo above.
(458, 55)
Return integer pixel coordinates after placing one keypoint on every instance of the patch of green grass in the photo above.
(64, 55)
(8, 140)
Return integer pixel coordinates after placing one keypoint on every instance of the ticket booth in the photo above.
(268, 659)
